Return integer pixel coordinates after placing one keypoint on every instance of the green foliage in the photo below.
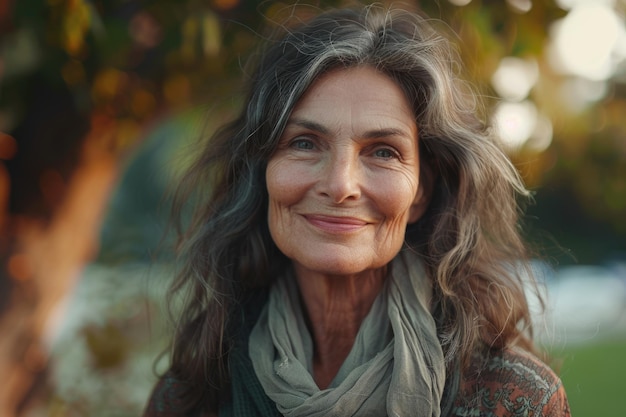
(127, 62)
(109, 51)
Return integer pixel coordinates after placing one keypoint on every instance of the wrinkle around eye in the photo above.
(303, 144)
(391, 153)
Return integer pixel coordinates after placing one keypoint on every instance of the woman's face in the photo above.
(344, 181)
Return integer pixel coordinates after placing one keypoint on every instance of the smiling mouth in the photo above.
(333, 224)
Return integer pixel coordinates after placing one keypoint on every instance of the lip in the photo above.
(335, 224)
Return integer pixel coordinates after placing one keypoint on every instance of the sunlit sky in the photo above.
(586, 46)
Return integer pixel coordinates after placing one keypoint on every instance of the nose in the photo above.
(341, 178)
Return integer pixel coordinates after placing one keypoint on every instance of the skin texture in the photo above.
(343, 185)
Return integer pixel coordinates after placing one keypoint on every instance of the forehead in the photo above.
(365, 82)
(361, 95)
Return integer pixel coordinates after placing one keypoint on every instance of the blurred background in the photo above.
(100, 104)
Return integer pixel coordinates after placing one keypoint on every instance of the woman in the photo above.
(356, 249)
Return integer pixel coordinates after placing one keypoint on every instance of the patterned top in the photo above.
(511, 383)
(503, 383)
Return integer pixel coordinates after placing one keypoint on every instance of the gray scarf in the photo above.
(396, 365)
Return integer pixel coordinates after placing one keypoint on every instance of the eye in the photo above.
(385, 153)
(302, 144)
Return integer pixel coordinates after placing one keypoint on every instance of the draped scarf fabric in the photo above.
(396, 365)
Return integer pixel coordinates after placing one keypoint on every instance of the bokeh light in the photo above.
(585, 42)
(150, 77)
(541, 137)
(587, 46)
(577, 93)
(515, 122)
(520, 6)
(514, 78)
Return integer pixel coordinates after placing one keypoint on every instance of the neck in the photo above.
(336, 307)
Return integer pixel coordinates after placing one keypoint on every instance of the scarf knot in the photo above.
(395, 367)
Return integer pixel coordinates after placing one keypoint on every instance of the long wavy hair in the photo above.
(468, 237)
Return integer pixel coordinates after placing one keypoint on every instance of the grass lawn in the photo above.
(594, 378)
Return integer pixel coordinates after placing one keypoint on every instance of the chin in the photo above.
(335, 265)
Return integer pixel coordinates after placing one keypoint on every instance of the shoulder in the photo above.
(168, 395)
(511, 382)
(165, 399)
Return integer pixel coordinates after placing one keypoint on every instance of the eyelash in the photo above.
(310, 145)
(393, 154)
(298, 141)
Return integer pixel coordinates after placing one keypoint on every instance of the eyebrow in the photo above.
(370, 134)
(308, 124)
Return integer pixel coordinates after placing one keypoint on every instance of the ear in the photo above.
(423, 195)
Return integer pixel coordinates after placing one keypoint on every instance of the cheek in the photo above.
(275, 190)
(395, 205)
(395, 199)
(282, 189)
(286, 188)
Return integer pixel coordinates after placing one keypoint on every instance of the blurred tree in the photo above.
(121, 64)
(103, 73)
